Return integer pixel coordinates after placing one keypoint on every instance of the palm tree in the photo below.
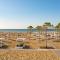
(39, 29)
(30, 29)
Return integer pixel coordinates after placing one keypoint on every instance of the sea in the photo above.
(23, 30)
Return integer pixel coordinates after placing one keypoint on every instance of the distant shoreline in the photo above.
(23, 30)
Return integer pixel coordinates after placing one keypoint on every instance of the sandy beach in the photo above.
(36, 47)
(34, 41)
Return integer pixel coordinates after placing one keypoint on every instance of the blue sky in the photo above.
(22, 13)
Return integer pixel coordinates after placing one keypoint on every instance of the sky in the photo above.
(18, 14)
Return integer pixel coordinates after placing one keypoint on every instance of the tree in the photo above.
(58, 26)
(47, 24)
(58, 29)
(39, 29)
(30, 29)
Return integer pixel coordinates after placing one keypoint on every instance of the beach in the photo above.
(35, 46)
(34, 41)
